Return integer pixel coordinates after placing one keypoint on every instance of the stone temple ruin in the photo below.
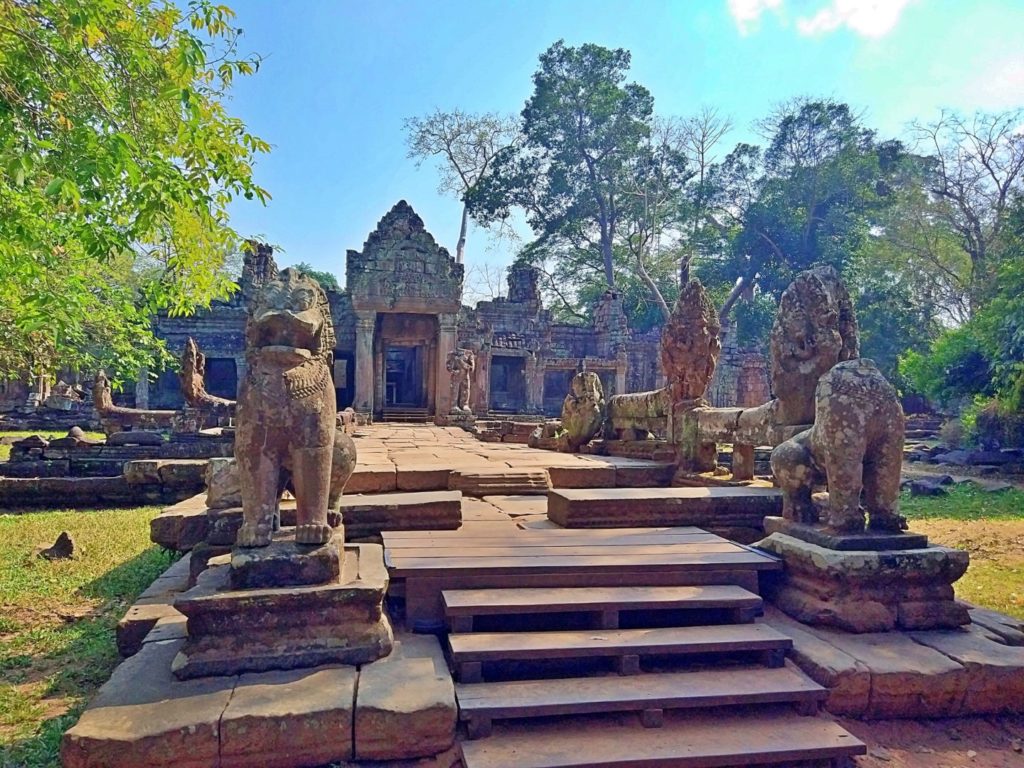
(486, 604)
(399, 319)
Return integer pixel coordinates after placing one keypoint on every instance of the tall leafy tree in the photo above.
(467, 145)
(116, 152)
(582, 128)
(975, 171)
(808, 197)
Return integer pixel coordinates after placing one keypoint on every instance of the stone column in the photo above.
(447, 336)
(142, 388)
(366, 323)
(480, 396)
(534, 372)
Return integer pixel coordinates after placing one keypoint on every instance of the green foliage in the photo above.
(754, 320)
(953, 369)
(327, 280)
(582, 129)
(117, 164)
(805, 199)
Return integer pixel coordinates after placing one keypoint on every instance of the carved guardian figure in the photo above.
(583, 410)
(286, 413)
(855, 448)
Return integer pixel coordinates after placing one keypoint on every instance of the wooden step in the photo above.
(637, 507)
(715, 740)
(462, 605)
(626, 646)
(650, 694)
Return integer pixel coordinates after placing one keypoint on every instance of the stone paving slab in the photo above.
(143, 717)
(939, 673)
(405, 706)
(368, 515)
(288, 718)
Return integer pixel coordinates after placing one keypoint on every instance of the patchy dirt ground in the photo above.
(969, 742)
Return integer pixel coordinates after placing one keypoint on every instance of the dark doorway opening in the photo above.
(508, 384)
(556, 386)
(403, 377)
(222, 377)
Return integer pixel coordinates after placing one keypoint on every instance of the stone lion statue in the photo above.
(855, 448)
(583, 409)
(286, 413)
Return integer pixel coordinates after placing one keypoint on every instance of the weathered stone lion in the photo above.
(855, 447)
(583, 410)
(286, 413)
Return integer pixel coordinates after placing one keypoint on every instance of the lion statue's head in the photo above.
(291, 312)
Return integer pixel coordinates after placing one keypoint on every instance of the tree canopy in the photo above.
(327, 280)
(117, 163)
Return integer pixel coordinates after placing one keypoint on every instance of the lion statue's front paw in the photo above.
(313, 533)
(253, 535)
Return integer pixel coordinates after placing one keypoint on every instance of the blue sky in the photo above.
(339, 76)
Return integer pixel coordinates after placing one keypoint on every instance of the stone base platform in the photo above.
(398, 708)
(868, 541)
(974, 670)
(736, 513)
(184, 525)
(867, 591)
(369, 515)
(254, 630)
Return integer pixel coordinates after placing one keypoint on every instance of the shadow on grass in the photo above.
(83, 655)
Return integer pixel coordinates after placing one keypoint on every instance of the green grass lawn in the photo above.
(57, 619)
(988, 525)
(5, 449)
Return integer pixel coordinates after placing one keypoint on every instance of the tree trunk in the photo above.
(606, 253)
(734, 295)
(666, 313)
(460, 249)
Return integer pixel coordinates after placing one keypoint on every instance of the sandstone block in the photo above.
(405, 707)
(222, 488)
(289, 718)
(375, 477)
(143, 717)
(996, 671)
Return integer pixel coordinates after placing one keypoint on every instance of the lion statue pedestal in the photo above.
(288, 597)
(848, 563)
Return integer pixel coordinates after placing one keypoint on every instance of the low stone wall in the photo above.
(155, 481)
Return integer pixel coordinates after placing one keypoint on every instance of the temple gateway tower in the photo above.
(406, 292)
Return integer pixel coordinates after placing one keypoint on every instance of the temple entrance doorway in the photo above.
(508, 384)
(404, 379)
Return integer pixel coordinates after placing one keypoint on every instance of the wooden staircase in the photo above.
(709, 685)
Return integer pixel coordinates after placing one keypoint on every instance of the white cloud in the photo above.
(1001, 86)
(870, 18)
(746, 13)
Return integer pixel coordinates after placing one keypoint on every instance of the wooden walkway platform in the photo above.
(429, 562)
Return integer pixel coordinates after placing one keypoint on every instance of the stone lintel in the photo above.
(867, 541)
